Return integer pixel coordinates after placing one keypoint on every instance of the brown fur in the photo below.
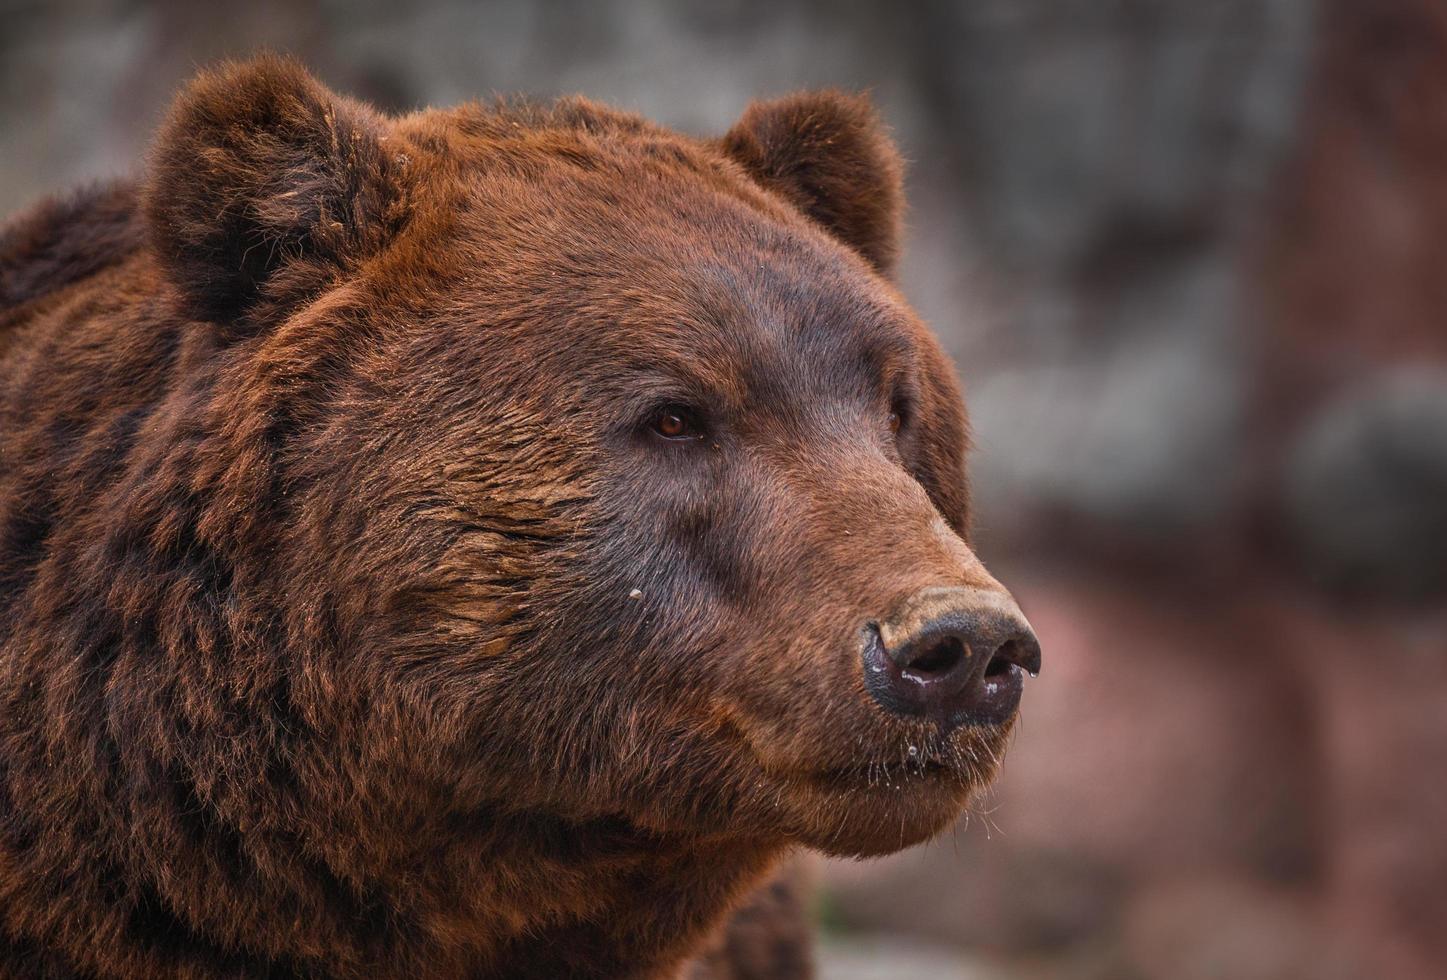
(352, 622)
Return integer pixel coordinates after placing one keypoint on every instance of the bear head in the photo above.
(567, 465)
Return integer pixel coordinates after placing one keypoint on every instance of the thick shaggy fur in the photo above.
(353, 620)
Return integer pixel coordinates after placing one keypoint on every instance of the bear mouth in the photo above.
(888, 776)
(922, 761)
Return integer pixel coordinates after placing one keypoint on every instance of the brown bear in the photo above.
(482, 543)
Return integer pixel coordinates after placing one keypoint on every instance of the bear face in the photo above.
(538, 494)
(609, 425)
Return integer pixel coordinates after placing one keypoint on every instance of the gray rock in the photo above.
(1365, 487)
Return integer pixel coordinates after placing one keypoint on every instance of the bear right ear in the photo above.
(828, 154)
(257, 167)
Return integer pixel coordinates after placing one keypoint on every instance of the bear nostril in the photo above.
(937, 658)
(1002, 660)
(1021, 650)
(997, 666)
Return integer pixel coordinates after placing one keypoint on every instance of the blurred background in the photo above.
(1189, 257)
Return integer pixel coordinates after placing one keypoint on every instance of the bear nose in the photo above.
(954, 656)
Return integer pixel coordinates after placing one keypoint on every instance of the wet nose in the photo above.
(955, 656)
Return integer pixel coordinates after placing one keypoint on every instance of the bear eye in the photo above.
(898, 415)
(675, 422)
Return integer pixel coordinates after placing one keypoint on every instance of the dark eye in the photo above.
(676, 422)
(898, 415)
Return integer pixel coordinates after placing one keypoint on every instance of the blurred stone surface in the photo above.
(1215, 928)
(879, 959)
(1366, 486)
(1380, 678)
(1353, 270)
(1144, 437)
(1353, 300)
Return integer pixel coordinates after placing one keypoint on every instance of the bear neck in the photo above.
(602, 898)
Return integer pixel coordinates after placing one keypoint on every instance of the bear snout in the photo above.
(955, 656)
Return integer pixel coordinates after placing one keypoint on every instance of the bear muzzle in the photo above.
(956, 656)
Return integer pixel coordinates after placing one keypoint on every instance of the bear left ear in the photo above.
(258, 168)
(829, 155)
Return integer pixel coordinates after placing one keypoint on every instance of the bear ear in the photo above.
(829, 155)
(258, 167)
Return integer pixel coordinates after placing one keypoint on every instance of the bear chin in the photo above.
(860, 813)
